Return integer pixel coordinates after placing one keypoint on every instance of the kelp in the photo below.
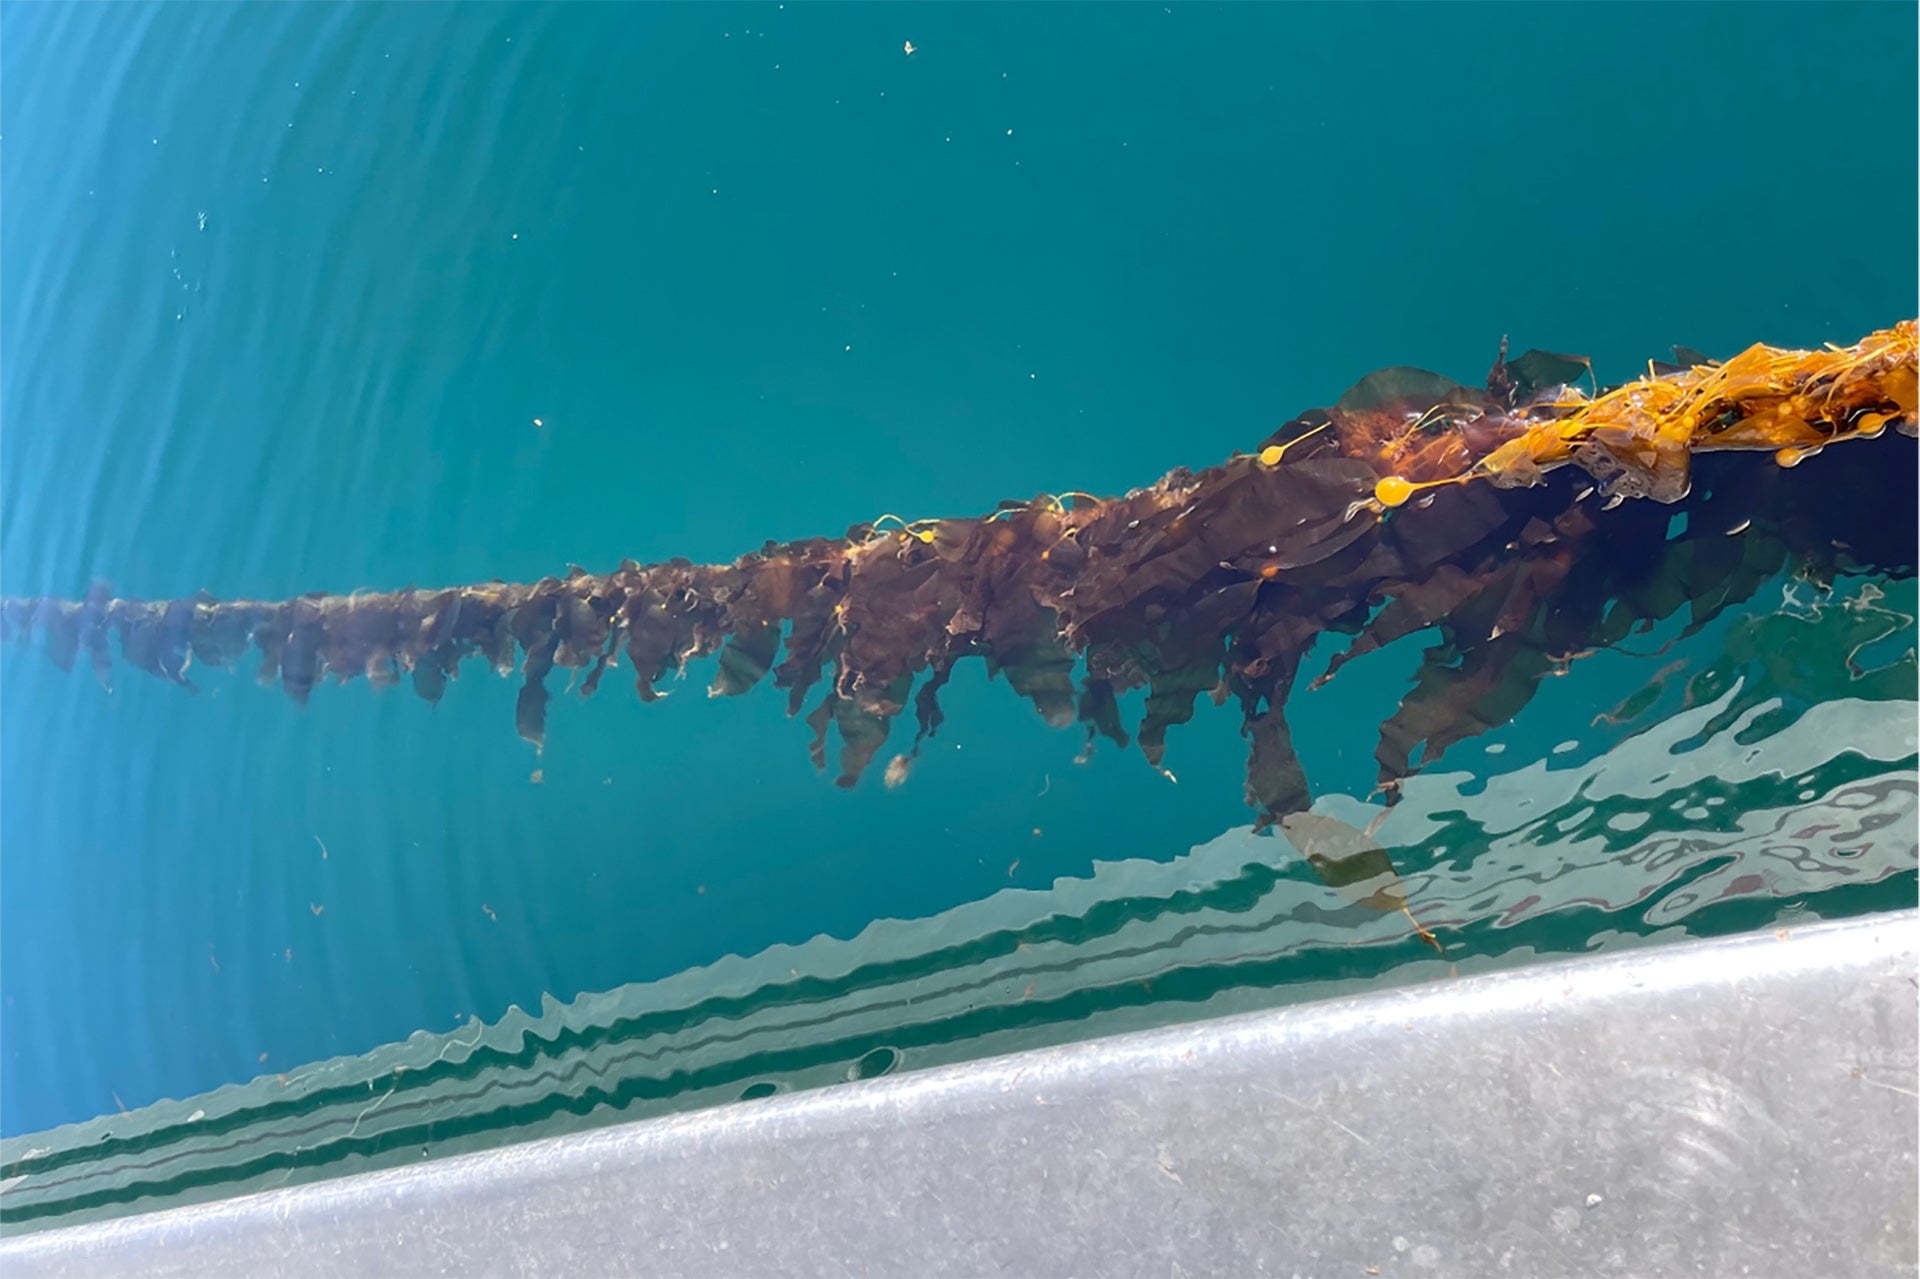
(1523, 522)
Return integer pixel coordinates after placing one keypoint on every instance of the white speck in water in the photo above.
(1564, 747)
(516, 235)
(203, 219)
(1009, 132)
(849, 346)
(156, 142)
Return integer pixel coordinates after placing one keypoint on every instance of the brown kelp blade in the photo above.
(1348, 861)
(1497, 519)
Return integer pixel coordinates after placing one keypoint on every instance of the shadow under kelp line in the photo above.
(1498, 516)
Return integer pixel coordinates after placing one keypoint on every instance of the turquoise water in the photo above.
(316, 298)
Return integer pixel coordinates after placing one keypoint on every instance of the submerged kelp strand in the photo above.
(1502, 517)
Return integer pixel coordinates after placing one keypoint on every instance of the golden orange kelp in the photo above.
(1640, 437)
(1496, 516)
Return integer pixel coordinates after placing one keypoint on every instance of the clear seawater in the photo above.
(320, 297)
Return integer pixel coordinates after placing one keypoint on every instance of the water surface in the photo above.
(323, 297)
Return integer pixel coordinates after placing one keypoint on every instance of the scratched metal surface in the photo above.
(1743, 1105)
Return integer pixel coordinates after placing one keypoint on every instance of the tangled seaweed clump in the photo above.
(1499, 516)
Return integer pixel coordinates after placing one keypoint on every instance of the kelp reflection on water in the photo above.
(1744, 798)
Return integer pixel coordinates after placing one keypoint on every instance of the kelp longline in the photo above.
(1524, 521)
